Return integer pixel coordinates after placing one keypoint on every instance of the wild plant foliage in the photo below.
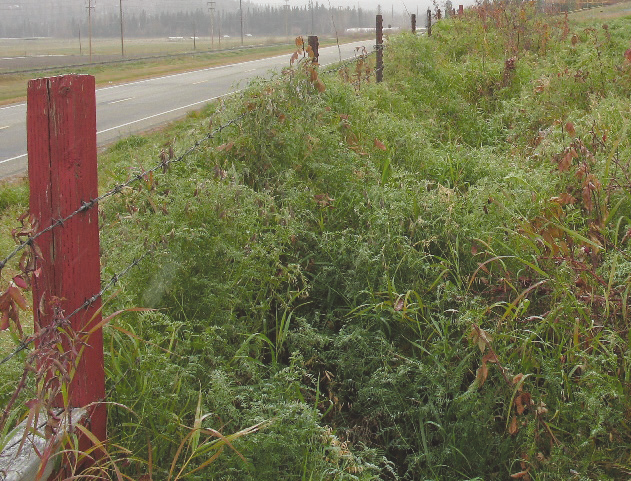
(426, 278)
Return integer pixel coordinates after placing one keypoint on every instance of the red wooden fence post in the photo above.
(61, 127)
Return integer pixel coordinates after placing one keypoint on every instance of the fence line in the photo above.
(42, 123)
(24, 344)
(117, 189)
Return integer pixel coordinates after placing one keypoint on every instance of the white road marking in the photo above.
(248, 71)
(119, 101)
(200, 82)
(12, 158)
(23, 104)
(5, 127)
(166, 112)
(186, 73)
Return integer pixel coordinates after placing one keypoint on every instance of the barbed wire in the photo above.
(88, 302)
(163, 164)
(344, 64)
(23, 345)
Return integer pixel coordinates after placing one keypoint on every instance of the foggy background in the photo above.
(159, 18)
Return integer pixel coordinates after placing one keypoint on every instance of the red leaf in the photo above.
(20, 282)
(17, 296)
(398, 306)
(569, 127)
(4, 323)
(627, 55)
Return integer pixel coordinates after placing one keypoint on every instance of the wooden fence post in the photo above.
(379, 48)
(429, 22)
(314, 44)
(62, 168)
(460, 10)
(413, 23)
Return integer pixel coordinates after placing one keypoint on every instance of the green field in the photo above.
(134, 47)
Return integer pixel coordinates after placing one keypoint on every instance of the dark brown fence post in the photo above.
(61, 127)
(429, 22)
(314, 44)
(379, 48)
(413, 23)
(460, 10)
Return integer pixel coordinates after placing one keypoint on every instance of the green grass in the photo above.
(426, 278)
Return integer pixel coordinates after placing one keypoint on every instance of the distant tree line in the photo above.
(257, 20)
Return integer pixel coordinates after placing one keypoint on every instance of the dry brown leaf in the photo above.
(566, 160)
(490, 357)
(563, 199)
(521, 475)
(482, 374)
(479, 337)
(319, 85)
(522, 402)
(379, 145)
(225, 147)
(512, 428)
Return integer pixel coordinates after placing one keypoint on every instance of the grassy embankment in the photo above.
(423, 279)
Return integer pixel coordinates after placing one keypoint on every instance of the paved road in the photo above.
(134, 107)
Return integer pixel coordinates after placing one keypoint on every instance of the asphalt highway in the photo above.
(134, 107)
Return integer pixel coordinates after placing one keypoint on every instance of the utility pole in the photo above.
(211, 9)
(241, 14)
(287, 19)
(90, 7)
(312, 21)
(120, 2)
